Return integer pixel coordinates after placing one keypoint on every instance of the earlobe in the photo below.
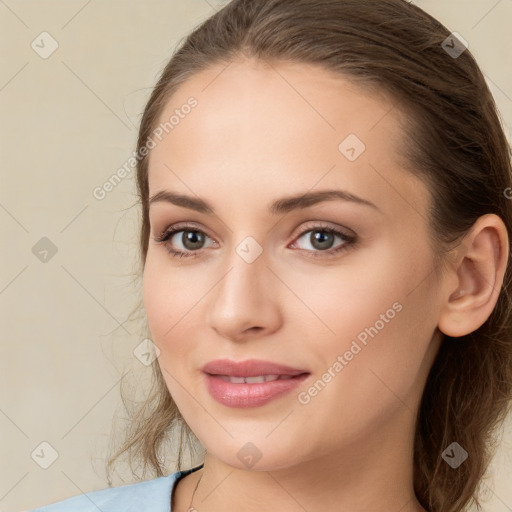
(479, 270)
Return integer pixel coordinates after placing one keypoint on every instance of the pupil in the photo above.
(192, 237)
(322, 239)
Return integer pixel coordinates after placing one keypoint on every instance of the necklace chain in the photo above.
(190, 507)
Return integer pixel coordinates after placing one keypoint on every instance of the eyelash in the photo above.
(167, 234)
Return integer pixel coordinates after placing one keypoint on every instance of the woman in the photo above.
(325, 251)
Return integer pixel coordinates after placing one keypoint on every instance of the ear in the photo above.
(476, 277)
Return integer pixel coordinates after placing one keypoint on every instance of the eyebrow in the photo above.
(279, 206)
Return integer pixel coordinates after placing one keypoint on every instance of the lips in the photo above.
(249, 383)
(249, 368)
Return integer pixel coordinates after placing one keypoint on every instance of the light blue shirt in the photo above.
(149, 496)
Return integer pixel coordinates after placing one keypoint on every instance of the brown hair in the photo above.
(454, 142)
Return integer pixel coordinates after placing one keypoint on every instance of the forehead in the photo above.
(285, 125)
(280, 99)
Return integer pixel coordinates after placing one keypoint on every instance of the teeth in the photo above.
(236, 380)
(253, 380)
(261, 378)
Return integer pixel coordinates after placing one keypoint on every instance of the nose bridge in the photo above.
(241, 286)
(244, 297)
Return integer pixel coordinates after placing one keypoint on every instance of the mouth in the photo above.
(250, 383)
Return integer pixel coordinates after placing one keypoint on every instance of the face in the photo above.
(337, 288)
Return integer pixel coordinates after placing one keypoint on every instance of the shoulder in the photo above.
(151, 496)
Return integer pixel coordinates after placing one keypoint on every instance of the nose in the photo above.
(244, 304)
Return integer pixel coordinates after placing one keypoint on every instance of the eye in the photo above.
(322, 238)
(187, 241)
(190, 238)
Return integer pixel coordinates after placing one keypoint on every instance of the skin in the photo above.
(258, 133)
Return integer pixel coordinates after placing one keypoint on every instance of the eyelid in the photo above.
(321, 224)
(181, 226)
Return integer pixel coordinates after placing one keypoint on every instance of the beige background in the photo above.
(68, 123)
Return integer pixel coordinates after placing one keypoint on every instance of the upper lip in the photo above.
(249, 368)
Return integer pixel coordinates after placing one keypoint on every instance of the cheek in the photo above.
(166, 301)
(175, 300)
(169, 297)
(159, 300)
(380, 312)
(169, 306)
(381, 373)
(382, 315)
(351, 297)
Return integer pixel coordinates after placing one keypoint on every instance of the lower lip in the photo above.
(249, 395)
